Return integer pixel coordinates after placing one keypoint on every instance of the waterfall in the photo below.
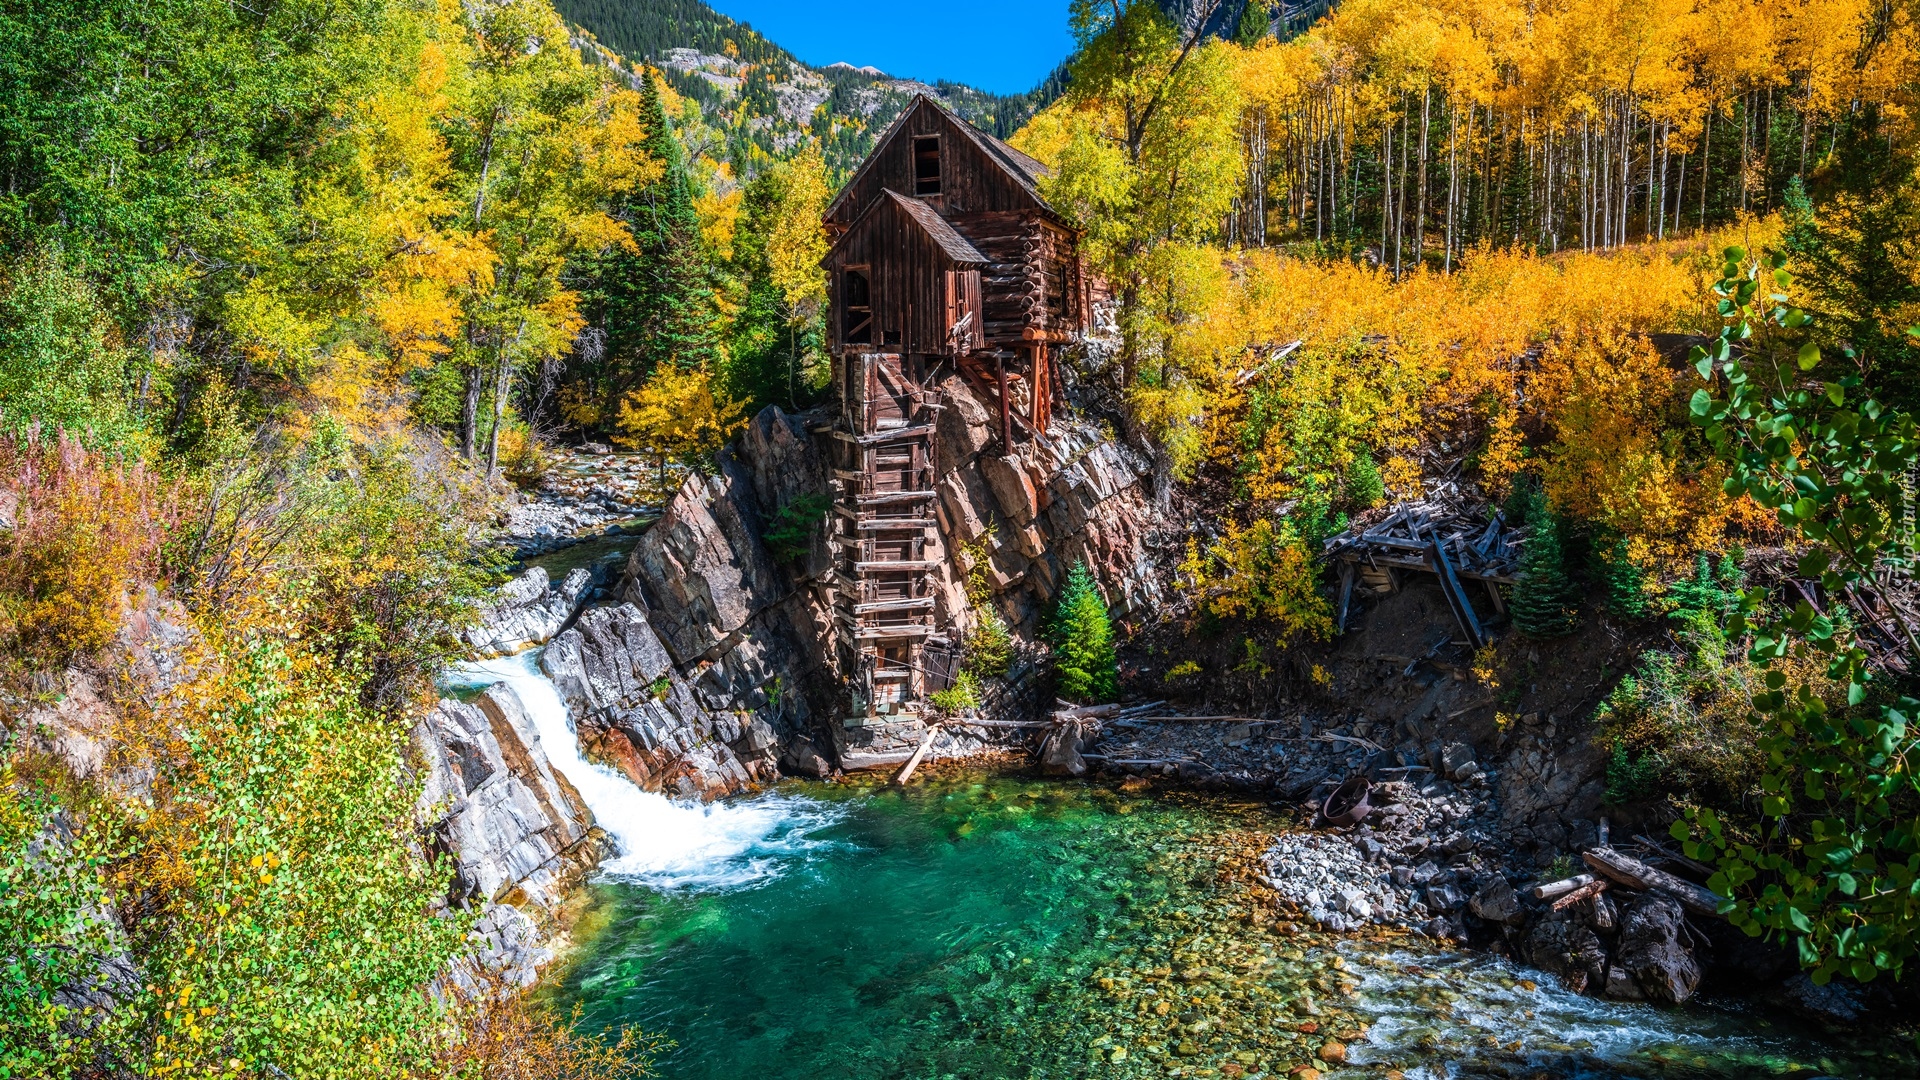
(662, 844)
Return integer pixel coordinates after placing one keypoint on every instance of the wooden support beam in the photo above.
(889, 498)
(1006, 422)
(1347, 573)
(890, 524)
(1456, 596)
(914, 603)
(896, 435)
(926, 743)
(884, 567)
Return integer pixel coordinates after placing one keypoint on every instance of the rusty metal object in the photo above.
(1348, 804)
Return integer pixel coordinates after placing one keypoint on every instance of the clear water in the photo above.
(983, 927)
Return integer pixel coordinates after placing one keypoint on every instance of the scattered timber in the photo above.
(1584, 892)
(1456, 546)
(1562, 887)
(1634, 874)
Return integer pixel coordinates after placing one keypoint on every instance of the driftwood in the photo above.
(906, 772)
(1562, 887)
(1069, 711)
(1584, 892)
(1373, 746)
(1635, 874)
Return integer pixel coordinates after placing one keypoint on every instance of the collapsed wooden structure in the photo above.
(945, 259)
(1456, 547)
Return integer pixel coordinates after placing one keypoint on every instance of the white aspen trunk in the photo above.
(1652, 129)
(1420, 216)
(1679, 193)
(1386, 192)
(1666, 163)
(1706, 165)
(1453, 183)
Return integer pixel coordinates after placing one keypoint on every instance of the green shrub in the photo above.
(989, 645)
(1625, 582)
(1365, 488)
(790, 535)
(964, 694)
(1629, 777)
(52, 918)
(1083, 656)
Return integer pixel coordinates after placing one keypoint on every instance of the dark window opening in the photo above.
(892, 337)
(1057, 289)
(926, 165)
(858, 329)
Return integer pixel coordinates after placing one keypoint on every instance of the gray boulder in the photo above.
(529, 612)
(1651, 951)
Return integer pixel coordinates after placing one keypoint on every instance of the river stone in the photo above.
(1498, 903)
(1569, 951)
(1651, 950)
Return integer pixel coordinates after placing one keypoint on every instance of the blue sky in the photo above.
(1005, 46)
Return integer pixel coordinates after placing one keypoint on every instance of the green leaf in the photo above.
(1679, 831)
(1836, 394)
(1808, 356)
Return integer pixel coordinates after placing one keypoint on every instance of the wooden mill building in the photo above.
(945, 259)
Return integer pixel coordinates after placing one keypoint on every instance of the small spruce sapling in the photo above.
(1625, 581)
(1083, 656)
(1545, 604)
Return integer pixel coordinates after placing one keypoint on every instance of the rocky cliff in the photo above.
(715, 668)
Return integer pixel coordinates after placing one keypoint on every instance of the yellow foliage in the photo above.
(679, 414)
(1260, 572)
(1623, 454)
(85, 530)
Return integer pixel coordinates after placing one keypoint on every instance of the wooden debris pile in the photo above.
(1455, 545)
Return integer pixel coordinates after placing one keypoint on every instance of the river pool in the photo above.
(978, 927)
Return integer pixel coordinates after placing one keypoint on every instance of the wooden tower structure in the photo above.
(945, 259)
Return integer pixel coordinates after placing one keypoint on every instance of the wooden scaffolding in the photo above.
(886, 538)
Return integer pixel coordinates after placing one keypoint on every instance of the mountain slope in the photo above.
(760, 97)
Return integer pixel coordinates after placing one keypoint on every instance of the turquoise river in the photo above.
(976, 926)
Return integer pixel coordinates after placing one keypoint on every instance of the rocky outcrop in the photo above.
(635, 711)
(518, 833)
(530, 610)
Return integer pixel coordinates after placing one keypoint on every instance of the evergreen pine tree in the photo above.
(1625, 582)
(655, 304)
(1256, 21)
(1083, 656)
(1545, 604)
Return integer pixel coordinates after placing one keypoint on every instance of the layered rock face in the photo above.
(635, 711)
(531, 609)
(519, 834)
(719, 665)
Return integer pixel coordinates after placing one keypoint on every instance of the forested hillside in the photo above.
(760, 99)
(299, 300)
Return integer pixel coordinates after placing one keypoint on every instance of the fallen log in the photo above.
(1562, 887)
(1068, 711)
(1635, 874)
(906, 772)
(1590, 889)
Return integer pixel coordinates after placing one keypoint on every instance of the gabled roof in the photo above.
(1024, 170)
(956, 246)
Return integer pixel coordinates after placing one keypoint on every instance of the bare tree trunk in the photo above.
(470, 411)
(1706, 165)
(1386, 190)
(1420, 216)
(1453, 178)
(1679, 193)
(1652, 129)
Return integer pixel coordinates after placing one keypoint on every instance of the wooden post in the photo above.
(914, 761)
(1006, 421)
(1037, 408)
